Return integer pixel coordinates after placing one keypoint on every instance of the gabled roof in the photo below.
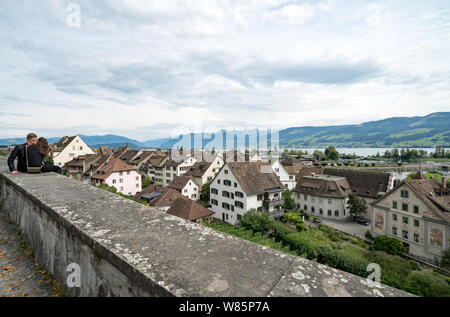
(188, 209)
(308, 171)
(141, 157)
(323, 185)
(198, 169)
(62, 143)
(166, 196)
(433, 194)
(103, 150)
(129, 155)
(157, 160)
(112, 166)
(82, 160)
(179, 182)
(363, 183)
(251, 178)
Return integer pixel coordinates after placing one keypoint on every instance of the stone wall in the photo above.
(126, 249)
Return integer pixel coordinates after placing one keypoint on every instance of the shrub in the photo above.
(446, 259)
(342, 261)
(428, 284)
(256, 221)
(280, 230)
(390, 245)
(394, 269)
(369, 235)
(414, 265)
(2, 153)
(295, 219)
(302, 244)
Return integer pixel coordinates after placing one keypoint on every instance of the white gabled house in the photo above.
(241, 186)
(186, 186)
(67, 149)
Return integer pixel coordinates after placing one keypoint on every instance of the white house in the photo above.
(283, 175)
(186, 186)
(117, 173)
(203, 172)
(241, 186)
(68, 148)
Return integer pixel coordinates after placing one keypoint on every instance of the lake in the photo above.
(364, 151)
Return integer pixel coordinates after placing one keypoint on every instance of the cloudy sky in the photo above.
(144, 69)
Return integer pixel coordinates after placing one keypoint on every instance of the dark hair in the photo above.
(31, 136)
(42, 146)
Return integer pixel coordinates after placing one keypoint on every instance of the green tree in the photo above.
(146, 181)
(356, 205)
(295, 219)
(289, 202)
(389, 245)
(206, 188)
(319, 155)
(256, 221)
(2, 153)
(331, 153)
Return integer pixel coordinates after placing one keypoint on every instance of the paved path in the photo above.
(351, 228)
(20, 275)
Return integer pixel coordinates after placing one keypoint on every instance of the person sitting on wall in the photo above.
(37, 155)
(19, 153)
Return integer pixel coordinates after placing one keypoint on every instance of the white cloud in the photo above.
(150, 66)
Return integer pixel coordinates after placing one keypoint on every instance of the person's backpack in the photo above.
(32, 169)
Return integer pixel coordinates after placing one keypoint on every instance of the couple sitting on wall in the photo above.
(31, 157)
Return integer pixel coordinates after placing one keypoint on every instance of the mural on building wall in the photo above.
(379, 221)
(436, 237)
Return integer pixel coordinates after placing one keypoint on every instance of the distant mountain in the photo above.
(116, 145)
(427, 131)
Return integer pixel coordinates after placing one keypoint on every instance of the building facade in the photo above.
(68, 148)
(241, 186)
(417, 213)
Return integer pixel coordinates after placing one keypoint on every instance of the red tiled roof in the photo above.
(188, 209)
(114, 165)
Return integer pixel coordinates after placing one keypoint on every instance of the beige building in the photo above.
(323, 196)
(417, 212)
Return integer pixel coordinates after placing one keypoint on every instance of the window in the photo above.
(313, 199)
(225, 171)
(81, 148)
(239, 204)
(227, 183)
(239, 194)
(394, 231)
(114, 181)
(214, 191)
(313, 210)
(404, 193)
(121, 180)
(416, 238)
(225, 206)
(120, 173)
(305, 197)
(416, 209)
(305, 207)
(321, 200)
(194, 196)
(291, 177)
(405, 220)
(405, 234)
(167, 174)
(120, 188)
(321, 211)
(225, 194)
(214, 202)
(260, 197)
(330, 212)
(336, 213)
(238, 217)
(394, 204)
(235, 184)
(185, 191)
(128, 172)
(218, 181)
(329, 201)
(394, 217)
(232, 195)
(137, 178)
(137, 185)
(405, 207)
(416, 222)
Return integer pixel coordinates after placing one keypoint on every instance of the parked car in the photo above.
(361, 221)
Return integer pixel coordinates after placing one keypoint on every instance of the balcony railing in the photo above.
(273, 202)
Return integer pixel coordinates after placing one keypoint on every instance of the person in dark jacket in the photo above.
(19, 153)
(42, 151)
